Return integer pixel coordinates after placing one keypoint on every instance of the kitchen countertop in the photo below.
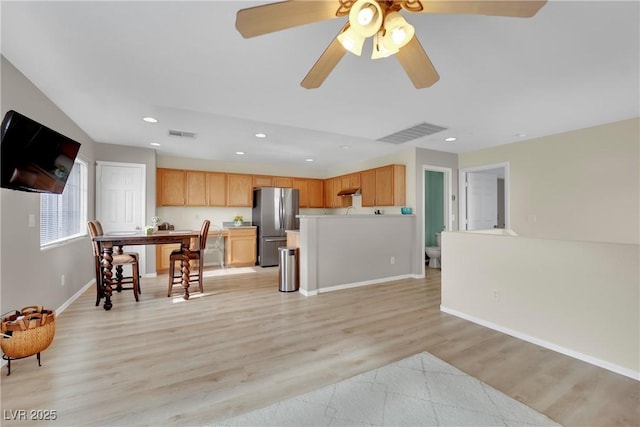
(355, 216)
(229, 225)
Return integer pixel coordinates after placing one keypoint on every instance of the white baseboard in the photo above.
(66, 304)
(364, 283)
(74, 297)
(542, 343)
(307, 293)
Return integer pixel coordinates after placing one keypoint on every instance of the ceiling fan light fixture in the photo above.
(380, 50)
(398, 32)
(352, 41)
(365, 17)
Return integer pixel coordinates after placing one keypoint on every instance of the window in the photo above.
(64, 216)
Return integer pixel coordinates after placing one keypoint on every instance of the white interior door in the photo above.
(482, 201)
(120, 199)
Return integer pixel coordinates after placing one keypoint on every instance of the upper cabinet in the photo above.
(368, 187)
(272, 181)
(262, 181)
(239, 190)
(384, 186)
(170, 187)
(331, 199)
(216, 189)
(316, 195)
(196, 191)
(302, 185)
(310, 192)
(350, 181)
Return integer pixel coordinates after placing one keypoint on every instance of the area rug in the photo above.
(421, 390)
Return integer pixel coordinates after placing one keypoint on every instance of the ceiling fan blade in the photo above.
(259, 20)
(325, 64)
(417, 64)
(513, 8)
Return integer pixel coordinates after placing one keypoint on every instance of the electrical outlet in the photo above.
(392, 260)
(496, 295)
(62, 280)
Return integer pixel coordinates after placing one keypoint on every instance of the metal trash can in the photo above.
(288, 269)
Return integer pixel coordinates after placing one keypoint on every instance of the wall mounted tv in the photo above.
(33, 157)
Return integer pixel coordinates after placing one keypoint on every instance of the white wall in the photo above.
(571, 283)
(338, 251)
(579, 185)
(578, 298)
(29, 275)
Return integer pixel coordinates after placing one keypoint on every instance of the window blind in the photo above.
(63, 216)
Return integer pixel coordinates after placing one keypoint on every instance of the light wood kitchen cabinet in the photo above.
(310, 192)
(331, 199)
(170, 185)
(239, 190)
(241, 247)
(384, 186)
(283, 181)
(196, 191)
(162, 256)
(328, 193)
(302, 185)
(316, 196)
(368, 187)
(262, 181)
(272, 181)
(216, 189)
(350, 181)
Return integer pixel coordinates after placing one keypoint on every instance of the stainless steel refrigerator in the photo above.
(274, 211)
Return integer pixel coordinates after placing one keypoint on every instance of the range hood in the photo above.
(349, 192)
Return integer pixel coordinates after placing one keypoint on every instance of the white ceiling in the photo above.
(108, 64)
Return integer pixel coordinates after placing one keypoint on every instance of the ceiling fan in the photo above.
(380, 19)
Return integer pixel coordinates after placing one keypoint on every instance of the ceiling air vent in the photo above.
(182, 134)
(414, 132)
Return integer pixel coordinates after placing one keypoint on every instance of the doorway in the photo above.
(120, 198)
(484, 197)
(437, 207)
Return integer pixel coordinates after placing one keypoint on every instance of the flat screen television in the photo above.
(33, 157)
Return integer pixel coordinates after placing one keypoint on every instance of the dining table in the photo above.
(112, 242)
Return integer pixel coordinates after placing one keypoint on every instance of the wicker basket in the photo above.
(27, 332)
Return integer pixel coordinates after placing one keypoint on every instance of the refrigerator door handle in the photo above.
(281, 208)
(275, 239)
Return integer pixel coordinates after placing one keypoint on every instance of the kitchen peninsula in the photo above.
(344, 251)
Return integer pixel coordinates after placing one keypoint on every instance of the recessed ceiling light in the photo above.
(261, 135)
(308, 160)
(450, 139)
(345, 147)
(150, 120)
(155, 144)
(240, 153)
(521, 135)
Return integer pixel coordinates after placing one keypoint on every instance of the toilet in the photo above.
(433, 252)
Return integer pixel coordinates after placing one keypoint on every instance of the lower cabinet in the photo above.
(162, 256)
(241, 247)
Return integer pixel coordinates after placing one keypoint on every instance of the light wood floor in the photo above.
(244, 345)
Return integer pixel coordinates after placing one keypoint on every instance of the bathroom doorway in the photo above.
(438, 203)
(484, 197)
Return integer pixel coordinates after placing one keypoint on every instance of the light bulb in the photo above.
(398, 31)
(351, 41)
(398, 35)
(365, 16)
